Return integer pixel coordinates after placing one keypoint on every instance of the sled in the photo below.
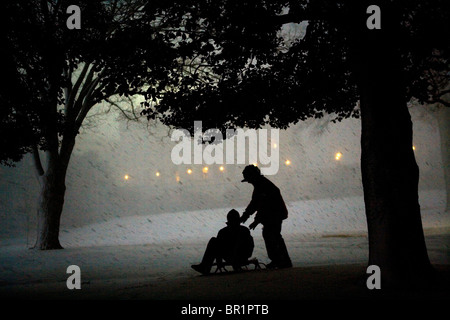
(245, 266)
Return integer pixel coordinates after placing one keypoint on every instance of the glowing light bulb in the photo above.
(414, 148)
(157, 173)
(126, 177)
(287, 162)
(205, 169)
(338, 156)
(189, 171)
(275, 146)
(221, 168)
(255, 164)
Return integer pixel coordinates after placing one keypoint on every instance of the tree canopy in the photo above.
(242, 74)
(54, 75)
(223, 62)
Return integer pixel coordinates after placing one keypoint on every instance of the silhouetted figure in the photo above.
(271, 211)
(233, 244)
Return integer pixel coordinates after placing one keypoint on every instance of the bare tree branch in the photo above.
(75, 88)
(86, 103)
(129, 115)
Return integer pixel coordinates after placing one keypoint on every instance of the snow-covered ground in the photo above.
(162, 247)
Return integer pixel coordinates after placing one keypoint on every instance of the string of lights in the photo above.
(205, 170)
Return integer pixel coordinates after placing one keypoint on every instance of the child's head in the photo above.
(233, 218)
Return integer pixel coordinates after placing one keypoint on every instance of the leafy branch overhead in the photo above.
(54, 76)
(241, 73)
(225, 62)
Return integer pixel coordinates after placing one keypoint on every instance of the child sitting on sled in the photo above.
(233, 245)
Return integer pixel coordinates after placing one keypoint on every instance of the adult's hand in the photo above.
(244, 217)
(253, 225)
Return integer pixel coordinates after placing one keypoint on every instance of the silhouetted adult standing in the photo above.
(270, 210)
(234, 244)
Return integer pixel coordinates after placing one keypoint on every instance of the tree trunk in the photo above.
(50, 208)
(390, 174)
(53, 188)
(444, 131)
(390, 179)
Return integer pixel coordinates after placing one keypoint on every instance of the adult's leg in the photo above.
(275, 245)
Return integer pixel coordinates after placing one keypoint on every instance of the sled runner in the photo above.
(245, 266)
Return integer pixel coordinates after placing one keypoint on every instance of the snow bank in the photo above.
(312, 218)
